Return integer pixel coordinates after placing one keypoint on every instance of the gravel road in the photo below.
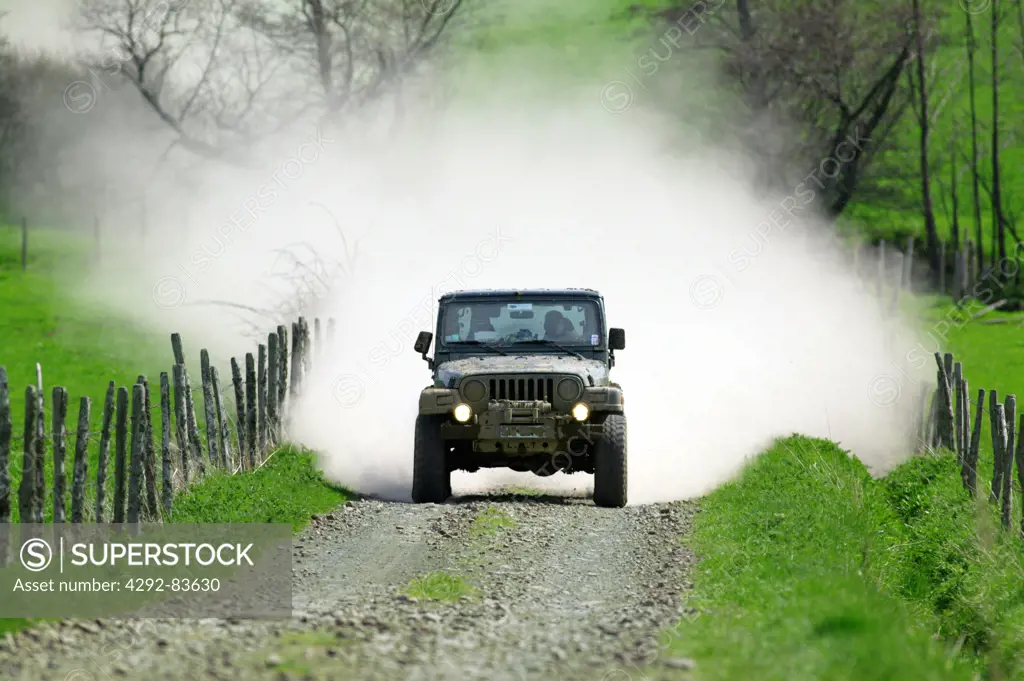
(563, 590)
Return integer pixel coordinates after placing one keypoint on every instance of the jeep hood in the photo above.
(593, 372)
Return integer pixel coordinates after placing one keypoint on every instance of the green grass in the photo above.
(80, 346)
(784, 586)
(441, 586)
(288, 488)
(811, 569)
(490, 522)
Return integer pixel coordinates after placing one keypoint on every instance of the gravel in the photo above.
(567, 591)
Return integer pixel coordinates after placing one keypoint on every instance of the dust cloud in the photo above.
(742, 319)
(739, 329)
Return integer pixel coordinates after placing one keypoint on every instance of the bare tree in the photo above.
(825, 66)
(224, 74)
(353, 50)
(998, 223)
(979, 235)
(920, 88)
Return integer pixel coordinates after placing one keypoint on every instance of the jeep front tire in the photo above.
(431, 479)
(610, 463)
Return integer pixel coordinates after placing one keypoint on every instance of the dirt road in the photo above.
(563, 590)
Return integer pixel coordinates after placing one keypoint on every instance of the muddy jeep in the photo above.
(521, 381)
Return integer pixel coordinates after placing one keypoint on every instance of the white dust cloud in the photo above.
(742, 323)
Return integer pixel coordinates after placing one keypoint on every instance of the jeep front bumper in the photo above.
(517, 427)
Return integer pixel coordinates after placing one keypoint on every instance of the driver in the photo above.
(556, 326)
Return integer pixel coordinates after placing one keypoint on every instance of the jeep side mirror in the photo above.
(423, 342)
(616, 339)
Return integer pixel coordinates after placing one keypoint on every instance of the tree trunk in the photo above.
(954, 195)
(978, 226)
(931, 232)
(999, 226)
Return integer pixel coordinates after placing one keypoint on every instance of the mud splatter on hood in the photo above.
(591, 371)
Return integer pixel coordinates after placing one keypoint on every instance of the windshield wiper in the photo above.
(480, 343)
(545, 341)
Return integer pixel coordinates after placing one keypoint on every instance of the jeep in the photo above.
(521, 381)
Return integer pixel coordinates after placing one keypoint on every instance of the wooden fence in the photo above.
(146, 475)
(893, 269)
(948, 423)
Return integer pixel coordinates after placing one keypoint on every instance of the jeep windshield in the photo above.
(566, 322)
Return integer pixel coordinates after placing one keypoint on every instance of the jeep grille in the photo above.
(533, 388)
(557, 389)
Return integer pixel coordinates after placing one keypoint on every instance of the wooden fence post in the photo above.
(167, 491)
(101, 466)
(27, 488)
(210, 409)
(945, 413)
(250, 407)
(236, 380)
(293, 393)
(81, 465)
(120, 453)
(931, 428)
(149, 453)
(222, 420)
(273, 376)
(972, 461)
(922, 420)
(59, 434)
(261, 399)
(1019, 456)
(138, 454)
(1010, 409)
(6, 429)
(179, 353)
(307, 351)
(999, 444)
(958, 413)
(965, 418)
(194, 438)
(181, 419)
(282, 384)
(997, 462)
(40, 448)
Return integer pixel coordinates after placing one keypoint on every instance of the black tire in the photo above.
(610, 463)
(431, 480)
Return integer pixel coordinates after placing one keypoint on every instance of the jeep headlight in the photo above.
(462, 413)
(580, 412)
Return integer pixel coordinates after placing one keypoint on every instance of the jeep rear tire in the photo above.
(610, 463)
(431, 479)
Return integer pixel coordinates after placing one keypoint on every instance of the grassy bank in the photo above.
(288, 488)
(810, 569)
